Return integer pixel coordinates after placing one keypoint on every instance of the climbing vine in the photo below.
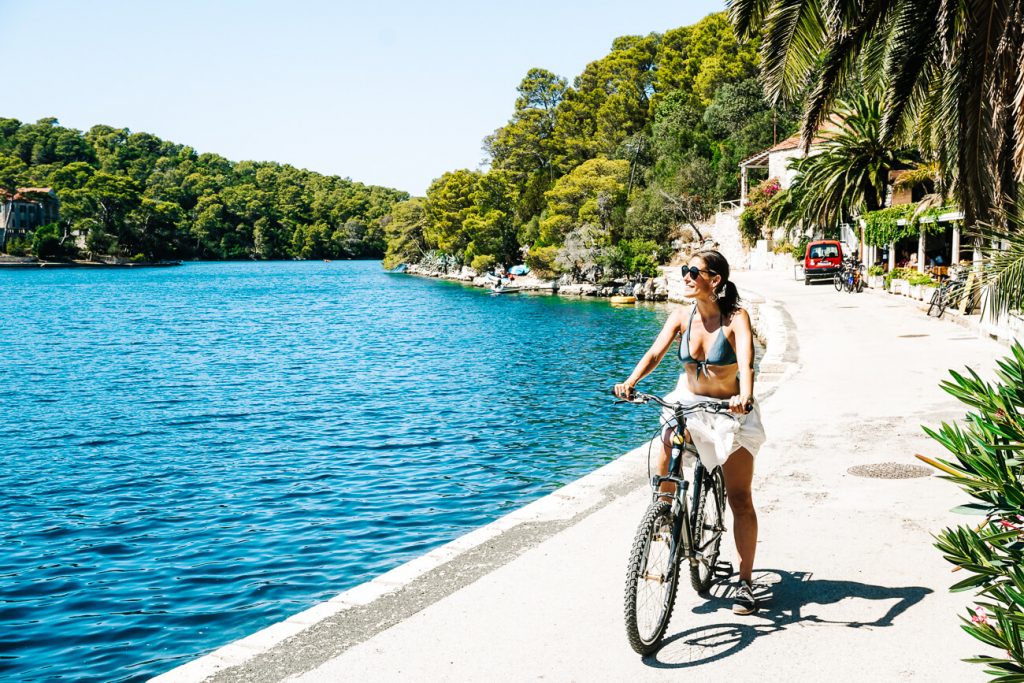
(882, 227)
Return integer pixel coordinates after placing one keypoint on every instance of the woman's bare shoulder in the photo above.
(679, 316)
(740, 318)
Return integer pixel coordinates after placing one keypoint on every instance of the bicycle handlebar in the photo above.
(639, 398)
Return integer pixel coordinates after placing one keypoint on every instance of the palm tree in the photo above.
(951, 73)
(849, 174)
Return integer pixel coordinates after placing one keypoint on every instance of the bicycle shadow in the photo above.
(783, 598)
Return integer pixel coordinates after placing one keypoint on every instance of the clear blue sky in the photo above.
(390, 93)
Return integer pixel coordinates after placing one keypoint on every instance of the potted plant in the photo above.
(919, 282)
(876, 277)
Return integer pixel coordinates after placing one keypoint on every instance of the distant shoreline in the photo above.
(36, 263)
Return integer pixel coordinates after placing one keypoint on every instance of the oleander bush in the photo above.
(987, 463)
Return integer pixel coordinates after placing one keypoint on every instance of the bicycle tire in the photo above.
(708, 521)
(837, 280)
(646, 622)
(848, 284)
(860, 285)
(936, 303)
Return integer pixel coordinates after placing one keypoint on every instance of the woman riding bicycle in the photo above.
(717, 351)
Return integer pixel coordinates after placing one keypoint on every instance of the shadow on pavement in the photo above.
(784, 598)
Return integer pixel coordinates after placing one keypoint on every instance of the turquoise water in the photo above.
(191, 454)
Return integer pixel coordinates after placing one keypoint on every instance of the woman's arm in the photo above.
(743, 336)
(658, 349)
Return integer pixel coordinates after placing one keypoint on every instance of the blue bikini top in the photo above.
(721, 352)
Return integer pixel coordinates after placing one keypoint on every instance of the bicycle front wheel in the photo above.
(708, 527)
(837, 280)
(651, 580)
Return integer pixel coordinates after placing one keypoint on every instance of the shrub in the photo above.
(483, 263)
(750, 231)
(46, 241)
(916, 278)
(988, 465)
(18, 247)
(541, 261)
(754, 219)
(876, 270)
(800, 248)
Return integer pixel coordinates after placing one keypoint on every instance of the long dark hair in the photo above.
(728, 295)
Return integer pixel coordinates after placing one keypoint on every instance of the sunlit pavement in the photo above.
(855, 590)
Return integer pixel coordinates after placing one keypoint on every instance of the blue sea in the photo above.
(190, 454)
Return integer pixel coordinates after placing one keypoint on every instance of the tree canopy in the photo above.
(597, 174)
(132, 193)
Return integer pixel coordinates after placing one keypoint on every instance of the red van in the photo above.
(822, 259)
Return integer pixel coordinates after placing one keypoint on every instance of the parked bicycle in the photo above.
(851, 277)
(951, 293)
(673, 529)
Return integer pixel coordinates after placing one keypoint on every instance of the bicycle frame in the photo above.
(682, 534)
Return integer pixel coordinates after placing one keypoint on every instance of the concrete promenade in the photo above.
(857, 592)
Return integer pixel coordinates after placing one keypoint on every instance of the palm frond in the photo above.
(1018, 113)
(912, 45)
(793, 39)
(842, 47)
(746, 15)
(980, 136)
(1003, 268)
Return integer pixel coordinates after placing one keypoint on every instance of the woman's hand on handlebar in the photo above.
(623, 390)
(741, 404)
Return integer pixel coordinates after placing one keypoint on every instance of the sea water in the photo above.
(190, 454)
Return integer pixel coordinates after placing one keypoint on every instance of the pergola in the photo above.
(759, 160)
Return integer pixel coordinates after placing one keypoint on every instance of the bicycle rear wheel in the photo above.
(708, 527)
(651, 580)
(837, 280)
(936, 304)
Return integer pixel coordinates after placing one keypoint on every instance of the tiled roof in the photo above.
(26, 193)
(793, 141)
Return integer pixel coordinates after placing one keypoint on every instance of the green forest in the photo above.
(135, 195)
(596, 178)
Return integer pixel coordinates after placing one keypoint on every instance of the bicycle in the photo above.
(851, 277)
(662, 540)
(951, 292)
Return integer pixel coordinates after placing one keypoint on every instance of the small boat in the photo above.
(622, 300)
(505, 289)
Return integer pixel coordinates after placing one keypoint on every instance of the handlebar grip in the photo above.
(747, 407)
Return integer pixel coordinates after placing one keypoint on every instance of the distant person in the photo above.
(717, 351)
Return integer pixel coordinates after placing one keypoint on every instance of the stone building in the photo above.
(25, 210)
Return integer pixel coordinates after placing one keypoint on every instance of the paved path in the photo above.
(859, 593)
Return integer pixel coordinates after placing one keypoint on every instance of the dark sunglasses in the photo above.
(694, 272)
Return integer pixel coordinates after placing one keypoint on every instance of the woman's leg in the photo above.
(739, 473)
(665, 455)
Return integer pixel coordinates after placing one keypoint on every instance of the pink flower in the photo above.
(980, 616)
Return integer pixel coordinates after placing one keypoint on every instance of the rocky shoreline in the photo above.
(651, 289)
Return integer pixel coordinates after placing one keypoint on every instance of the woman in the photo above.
(717, 351)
